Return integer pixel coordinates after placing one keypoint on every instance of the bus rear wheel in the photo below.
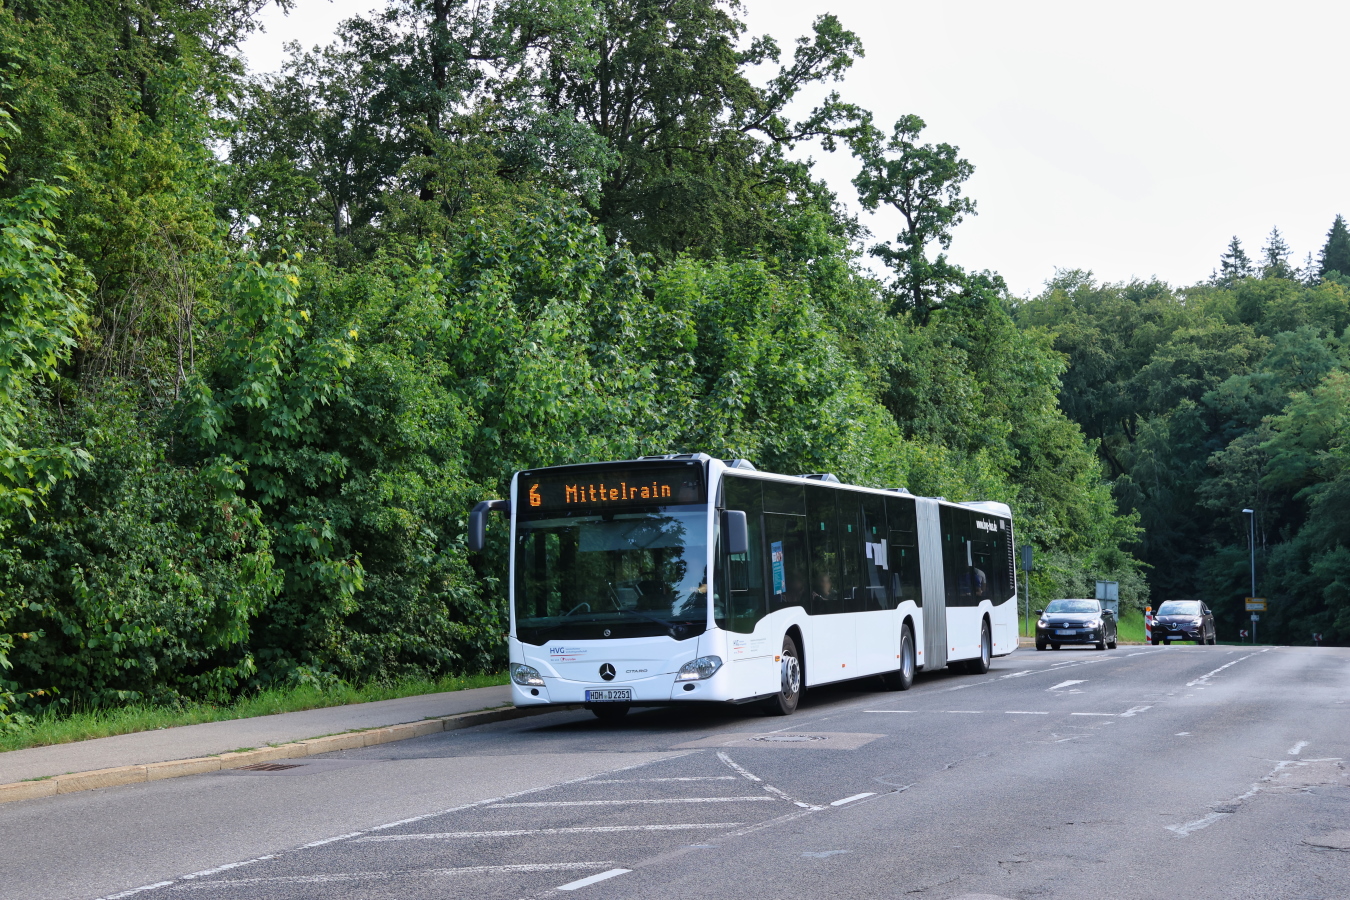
(902, 679)
(784, 703)
(980, 664)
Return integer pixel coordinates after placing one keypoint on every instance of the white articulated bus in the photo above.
(684, 578)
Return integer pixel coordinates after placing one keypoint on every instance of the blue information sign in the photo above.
(779, 581)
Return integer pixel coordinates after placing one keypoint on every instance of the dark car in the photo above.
(1184, 620)
(1075, 622)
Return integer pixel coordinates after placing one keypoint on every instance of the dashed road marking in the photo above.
(603, 876)
(1297, 748)
(337, 877)
(588, 829)
(854, 797)
(1024, 712)
(540, 804)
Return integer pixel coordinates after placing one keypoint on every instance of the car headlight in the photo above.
(526, 675)
(1096, 623)
(1042, 623)
(699, 669)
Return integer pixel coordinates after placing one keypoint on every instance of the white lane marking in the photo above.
(1023, 712)
(1297, 748)
(1020, 674)
(1092, 714)
(760, 826)
(1183, 734)
(854, 797)
(1183, 830)
(1064, 684)
(1134, 711)
(889, 710)
(389, 876)
(972, 712)
(744, 773)
(588, 829)
(962, 687)
(737, 767)
(234, 865)
(341, 837)
(1204, 679)
(146, 887)
(412, 819)
(572, 886)
(541, 804)
(654, 780)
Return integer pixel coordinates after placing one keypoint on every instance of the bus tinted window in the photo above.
(739, 599)
(903, 550)
(876, 589)
(822, 534)
(853, 585)
(784, 498)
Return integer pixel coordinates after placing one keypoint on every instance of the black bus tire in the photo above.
(784, 703)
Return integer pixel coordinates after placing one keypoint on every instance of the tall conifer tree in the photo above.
(1336, 251)
(1275, 257)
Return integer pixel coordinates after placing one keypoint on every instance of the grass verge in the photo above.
(83, 725)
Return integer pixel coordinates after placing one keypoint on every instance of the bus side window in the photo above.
(876, 589)
(744, 602)
(822, 534)
(785, 536)
(903, 551)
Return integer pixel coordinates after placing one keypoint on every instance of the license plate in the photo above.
(1065, 631)
(610, 695)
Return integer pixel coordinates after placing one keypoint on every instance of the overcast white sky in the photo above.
(1130, 139)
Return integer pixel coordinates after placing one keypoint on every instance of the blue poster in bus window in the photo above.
(779, 582)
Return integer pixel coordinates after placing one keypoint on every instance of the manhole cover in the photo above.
(789, 738)
(270, 767)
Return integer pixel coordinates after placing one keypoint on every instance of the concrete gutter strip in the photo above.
(354, 740)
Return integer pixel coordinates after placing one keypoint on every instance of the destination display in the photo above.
(612, 489)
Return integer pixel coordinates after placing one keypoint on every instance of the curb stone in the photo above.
(177, 768)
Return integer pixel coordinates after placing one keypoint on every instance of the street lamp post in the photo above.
(1251, 540)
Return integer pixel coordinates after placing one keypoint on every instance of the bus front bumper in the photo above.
(658, 690)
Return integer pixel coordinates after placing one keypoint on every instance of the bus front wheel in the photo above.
(784, 703)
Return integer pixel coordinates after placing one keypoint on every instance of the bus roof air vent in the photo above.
(822, 476)
(740, 464)
(898, 490)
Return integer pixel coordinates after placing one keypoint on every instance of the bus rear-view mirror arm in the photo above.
(477, 536)
(737, 531)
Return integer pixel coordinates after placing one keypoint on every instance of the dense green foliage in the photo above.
(249, 397)
(1214, 399)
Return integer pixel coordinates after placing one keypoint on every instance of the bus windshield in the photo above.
(614, 574)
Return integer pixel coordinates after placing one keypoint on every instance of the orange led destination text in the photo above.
(601, 493)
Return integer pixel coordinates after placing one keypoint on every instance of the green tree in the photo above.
(1234, 265)
(1275, 257)
(923, 182)
(1335, 255)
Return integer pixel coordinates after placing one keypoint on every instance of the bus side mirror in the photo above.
(736, 530)
(477, 537)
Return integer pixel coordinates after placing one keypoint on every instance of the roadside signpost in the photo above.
(1255, 605)
(1108, 592)
(1317, 639)
(1243, 634)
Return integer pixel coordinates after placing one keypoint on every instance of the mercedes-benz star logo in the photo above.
(607, 672)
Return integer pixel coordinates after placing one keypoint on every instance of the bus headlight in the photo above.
(699, 669)
(526, 675)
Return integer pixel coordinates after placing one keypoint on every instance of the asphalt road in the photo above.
(1191, 772)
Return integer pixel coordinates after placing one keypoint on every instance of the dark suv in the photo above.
(1183, 620)
(1075, 622)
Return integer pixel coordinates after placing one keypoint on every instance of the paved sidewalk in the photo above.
(211, 738)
